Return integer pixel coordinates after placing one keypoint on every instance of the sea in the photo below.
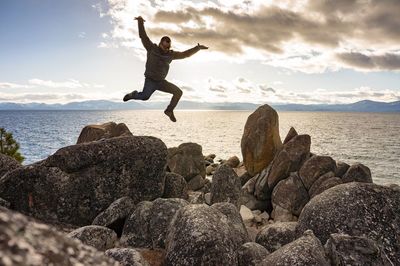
(368, 138)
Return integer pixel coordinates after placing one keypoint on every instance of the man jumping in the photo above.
(157, 65)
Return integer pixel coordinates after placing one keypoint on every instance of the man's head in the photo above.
(165, 43)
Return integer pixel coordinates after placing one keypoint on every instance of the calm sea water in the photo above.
(369, 138)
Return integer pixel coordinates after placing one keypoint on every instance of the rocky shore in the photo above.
(119, 199)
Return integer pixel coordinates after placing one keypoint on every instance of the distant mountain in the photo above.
(85, 105)
(362, 106)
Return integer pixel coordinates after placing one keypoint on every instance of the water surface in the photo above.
(369, 138)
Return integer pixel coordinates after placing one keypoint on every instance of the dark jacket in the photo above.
(157, 64)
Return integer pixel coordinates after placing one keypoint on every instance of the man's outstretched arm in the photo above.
(187, 53)
(142, 34)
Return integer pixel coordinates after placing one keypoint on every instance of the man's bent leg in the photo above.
(149, 87)
(176, 93)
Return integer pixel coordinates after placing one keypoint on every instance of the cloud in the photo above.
(104, 45)
(35, 82)
(217, 88)
(299, 35)
(386, 61)
(8, 85)
(70, 84)
(372, 20)
(262, 93)
(337, 97)
(222, 95)
(82, 35)
(59, 97)
(243, 85)
(219, 85)
(266, 89)
(41, 97)
(187, 88)
(227, 90)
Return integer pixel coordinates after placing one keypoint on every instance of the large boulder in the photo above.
(115, 215)
(343, 249)
(278, 170)
(315, 167)
(7, 164)
(99, 237)
(357, 173)
(127, 256)
(289, 159)
(175, 186)
(290, 194)
(260, 140)
(306, 250)
(104, 131)
(148, 224)
(357, 209)
(201, 235)
(187, 160)
(298, 150)
(226, 186)
(274, 236)
(78, 182)
(26, 242)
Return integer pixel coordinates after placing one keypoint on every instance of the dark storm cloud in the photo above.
(220, 41)
(327, 23)
(373, 20)
(333, 6)
(267, 29)
(378, 62)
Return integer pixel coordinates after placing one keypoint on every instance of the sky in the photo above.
(303, 51)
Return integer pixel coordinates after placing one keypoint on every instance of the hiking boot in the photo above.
(170, 114)
(130, 96)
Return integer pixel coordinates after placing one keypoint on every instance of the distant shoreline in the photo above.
(195, 110)
(103, 105)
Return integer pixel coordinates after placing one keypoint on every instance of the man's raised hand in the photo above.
(202, 47)
(140, 19)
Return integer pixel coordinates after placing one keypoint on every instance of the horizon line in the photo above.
(190, 101)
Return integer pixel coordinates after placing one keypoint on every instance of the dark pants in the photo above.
(151, 86)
